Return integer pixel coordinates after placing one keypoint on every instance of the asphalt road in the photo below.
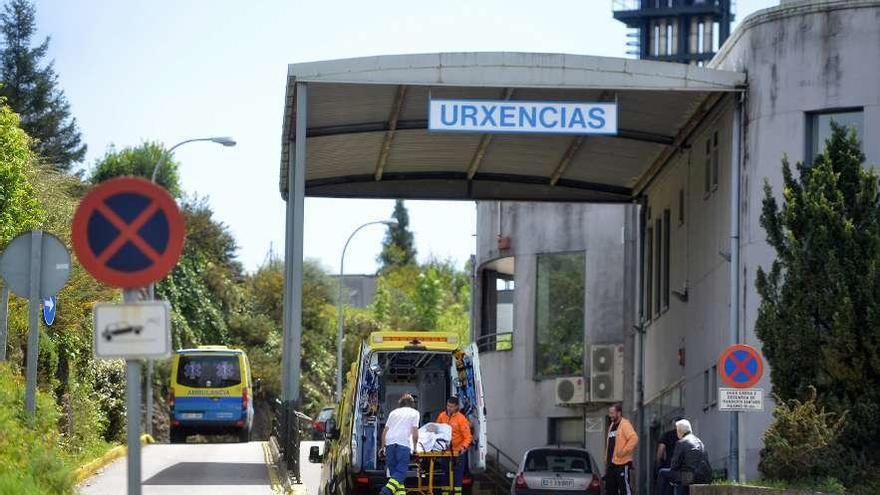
(311, 473)
(191, 469)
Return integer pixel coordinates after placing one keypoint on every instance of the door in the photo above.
(468, 386)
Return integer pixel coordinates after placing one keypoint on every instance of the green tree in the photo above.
(138, 161)
(398, 248)
(19, 210)
(31, 88)
(819, 317)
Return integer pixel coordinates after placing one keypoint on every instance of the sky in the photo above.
(163, 70)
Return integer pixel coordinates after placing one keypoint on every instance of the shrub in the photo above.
(30, 460)
(800, 444)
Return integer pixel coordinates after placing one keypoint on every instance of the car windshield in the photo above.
(208, 371)
(558, 461)
(325, 414)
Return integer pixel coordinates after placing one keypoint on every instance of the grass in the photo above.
(824, 485)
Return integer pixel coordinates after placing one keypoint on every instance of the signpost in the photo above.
(34, 266)
(50, 306)
(128, 233)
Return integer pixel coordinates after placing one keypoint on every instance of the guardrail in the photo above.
(495, 342)
(287, 426)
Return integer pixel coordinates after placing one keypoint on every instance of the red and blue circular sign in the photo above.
(741, 366)
(128, 232)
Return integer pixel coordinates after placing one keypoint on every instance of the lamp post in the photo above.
(225, 141)
(340, 305)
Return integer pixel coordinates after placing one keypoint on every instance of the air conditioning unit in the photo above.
(571, 391)
(606, 373)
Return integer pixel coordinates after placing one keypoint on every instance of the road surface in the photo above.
(192, 469)
(311, 473)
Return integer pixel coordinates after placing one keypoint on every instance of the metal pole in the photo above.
(293, 275)
(148, 424)
(133, 412)
(33, 348)
(340, 303)
(4, 312)
(733, 465)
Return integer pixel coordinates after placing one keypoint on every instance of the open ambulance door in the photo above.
(468, 386)
(360, 367)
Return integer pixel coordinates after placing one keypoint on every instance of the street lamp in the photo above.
(225, 141)
(340, 304)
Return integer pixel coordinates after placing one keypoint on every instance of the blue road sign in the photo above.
(50, 307)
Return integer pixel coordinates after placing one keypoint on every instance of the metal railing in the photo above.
(498, 464)
(495, 342)
(287, 426)
(623, 5)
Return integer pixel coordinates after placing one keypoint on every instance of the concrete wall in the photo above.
(519, 405)
(801, 57)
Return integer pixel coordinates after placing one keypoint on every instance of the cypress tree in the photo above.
(31, 89)
(819, 317)
(398, 247)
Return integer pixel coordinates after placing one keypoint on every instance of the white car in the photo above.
(555, 470)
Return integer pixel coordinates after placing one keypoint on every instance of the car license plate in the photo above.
(190, 415)
(557, 483)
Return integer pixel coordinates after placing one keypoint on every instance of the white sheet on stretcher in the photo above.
(434, 437)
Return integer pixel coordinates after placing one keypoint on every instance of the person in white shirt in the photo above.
(399, 438)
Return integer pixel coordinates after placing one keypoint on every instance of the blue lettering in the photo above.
(544, 121)
(577, 118)
(443, 115)
(468, 112)
(524, 116)
(507, 115)
(487, 115)
(597, 118)
(563, 121)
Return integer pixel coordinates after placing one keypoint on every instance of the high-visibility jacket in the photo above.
(461, 430)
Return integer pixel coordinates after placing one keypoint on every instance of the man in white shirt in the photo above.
(399, 438)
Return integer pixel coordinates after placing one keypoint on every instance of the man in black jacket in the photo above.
(690, 463)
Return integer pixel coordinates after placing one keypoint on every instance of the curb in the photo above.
(89, 469)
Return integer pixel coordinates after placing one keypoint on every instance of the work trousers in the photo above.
(397, 462)
(617, 479)
(457, 474)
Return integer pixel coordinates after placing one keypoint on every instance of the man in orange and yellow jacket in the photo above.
(461, 440)
(621, 444)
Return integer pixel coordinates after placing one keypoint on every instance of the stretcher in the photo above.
(425, 477)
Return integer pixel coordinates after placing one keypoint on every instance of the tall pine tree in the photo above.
(31, 89)
(398, 248)
(819, 317)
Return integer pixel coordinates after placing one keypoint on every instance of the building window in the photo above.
(819, 129)
(648, 281)
(710, 165)
(667, 220)
(496, 312)
(566, 432)
(559, 315)
(681, 207)
(658, 263)
(710, 388)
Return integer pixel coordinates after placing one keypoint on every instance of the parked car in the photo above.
(319, 426)
(555, 470)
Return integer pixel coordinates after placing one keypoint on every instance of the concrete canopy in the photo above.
(367, 125)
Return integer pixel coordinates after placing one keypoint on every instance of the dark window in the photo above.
(707, 168)
(658, 263)
(208, 371)
(666, 255)
(819, 129)
(565, 432)
(715, 160)
(681, 206)
(649, 272)
(559, 315)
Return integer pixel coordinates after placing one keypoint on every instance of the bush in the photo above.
(30, 460)
(801, 443)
